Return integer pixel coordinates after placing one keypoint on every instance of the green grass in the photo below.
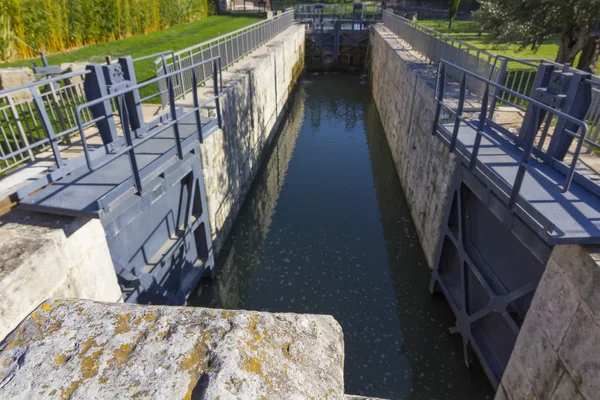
(174, 38)
(467, 31)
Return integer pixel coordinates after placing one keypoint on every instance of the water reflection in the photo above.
(326, 229)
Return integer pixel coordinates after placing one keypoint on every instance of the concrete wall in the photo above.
(257, 89)
(44, 256)
(402, 86)
(557, 354)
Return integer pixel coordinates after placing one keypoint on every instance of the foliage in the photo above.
(531, 22)
(174, 38)
(453, 11)
(58, 25)
(6, 37)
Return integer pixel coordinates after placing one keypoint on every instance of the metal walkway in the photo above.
(86, 192)
(570, 217)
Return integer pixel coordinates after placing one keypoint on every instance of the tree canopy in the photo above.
(531, 22)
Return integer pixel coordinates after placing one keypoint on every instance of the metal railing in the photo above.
(364, 12)
(230, 48)
(517, 75)
(535, 141)
(435, 46)
(173, 121)
(48, 106)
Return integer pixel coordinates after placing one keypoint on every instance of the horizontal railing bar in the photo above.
(144, 84)
(517, 94)
(43, 82)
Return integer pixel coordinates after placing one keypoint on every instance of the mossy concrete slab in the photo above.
(86, 349)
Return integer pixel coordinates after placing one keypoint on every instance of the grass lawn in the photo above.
(174, 38)
(467, 32)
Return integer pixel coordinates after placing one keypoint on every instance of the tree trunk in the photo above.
(572, 40)
(590, 54)
(450, 24)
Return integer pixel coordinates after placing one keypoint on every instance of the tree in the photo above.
(453, 11)
(531, 22)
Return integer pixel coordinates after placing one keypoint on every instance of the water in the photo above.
(326, 229)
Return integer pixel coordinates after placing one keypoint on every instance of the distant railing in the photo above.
(359, 11)
(435, 46)
(516, 75)
(230, 48)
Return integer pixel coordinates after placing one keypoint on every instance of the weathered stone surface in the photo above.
(582, 270)
(580, 352)
(554, 304)
(566, 389)
(501, 394)
(83, 349)
(13, 77)
(515, 382)
(557, 353)
(43, 255)
(402, 86)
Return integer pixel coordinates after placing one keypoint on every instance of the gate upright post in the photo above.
(132, 98)
(95, 87)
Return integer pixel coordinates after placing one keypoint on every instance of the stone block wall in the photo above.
(44, 256)
(557, 353)
(256, 92)
(13, 77)
(77, 349)
(402, 87)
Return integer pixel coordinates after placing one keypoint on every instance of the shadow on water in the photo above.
(326, 229)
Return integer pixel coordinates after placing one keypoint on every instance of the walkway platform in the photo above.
(85, 192)
(571, 217)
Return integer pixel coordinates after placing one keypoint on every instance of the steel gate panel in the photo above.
(476, 271)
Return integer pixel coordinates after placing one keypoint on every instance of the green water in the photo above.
(326, 229)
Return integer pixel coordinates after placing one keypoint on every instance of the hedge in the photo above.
(59, 25)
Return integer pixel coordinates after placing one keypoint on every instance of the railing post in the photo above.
(480, 127)
(174, 117)
(216, 91)
(497, 91)
(47, 126)
(459, 110)
(129, 141)
(197, 106)
(61, 118)
(439, 95)
(527, 147)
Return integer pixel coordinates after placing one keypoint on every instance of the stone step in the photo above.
(85, 349)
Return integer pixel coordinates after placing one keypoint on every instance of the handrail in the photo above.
(527, 146)
(173, 122)
(43, 82)
(436, 34)
(229, 34)
(230, 47)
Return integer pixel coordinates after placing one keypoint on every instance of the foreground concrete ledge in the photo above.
(43, 255)
(86, 349)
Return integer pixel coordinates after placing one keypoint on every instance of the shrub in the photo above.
(58, 25)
